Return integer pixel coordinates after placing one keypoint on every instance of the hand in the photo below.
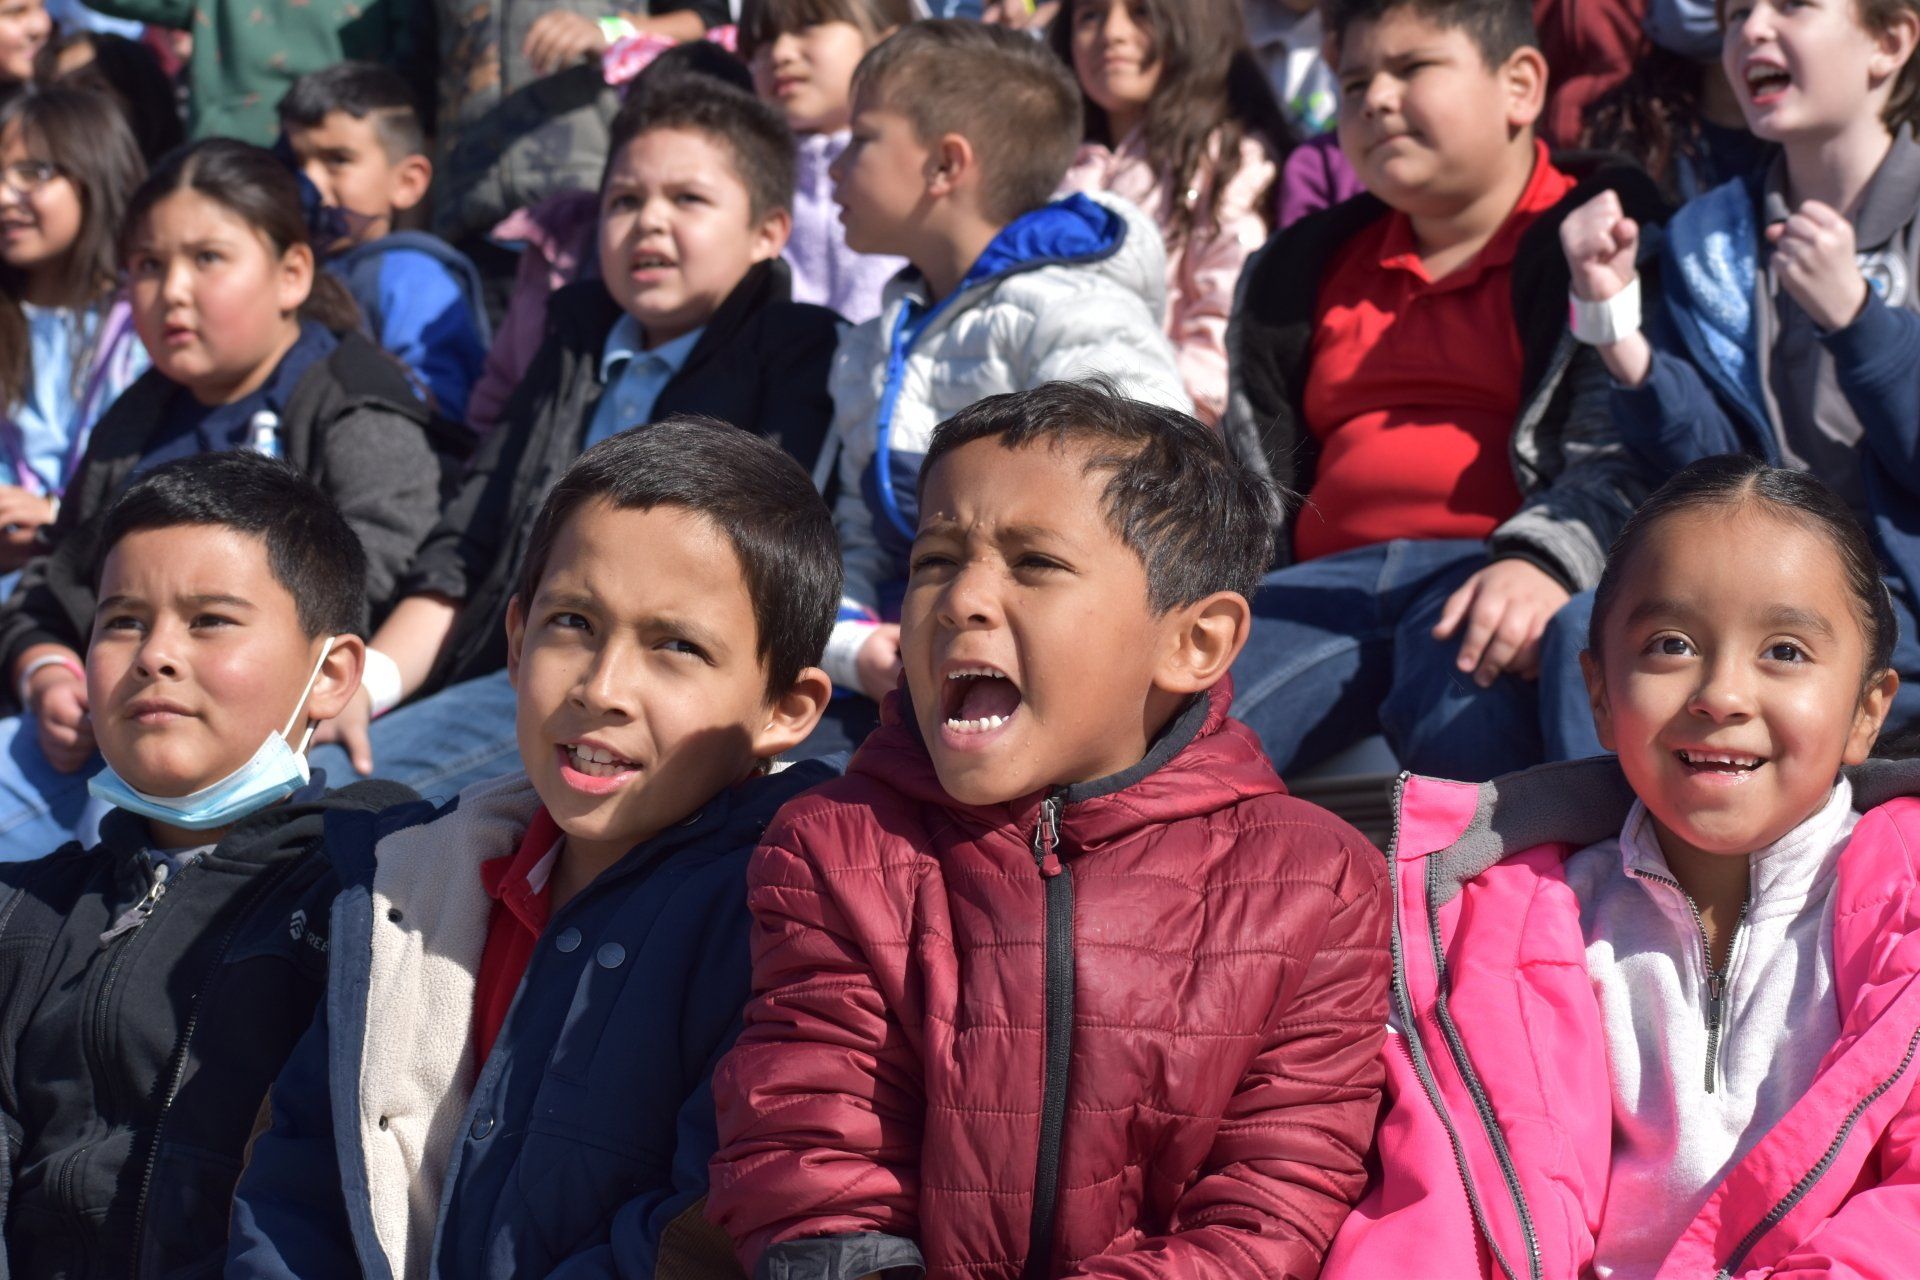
(1506, 607)
(877, 665)
(1020, 15)
(57, 698)
(1600, 242)
(558, 40)
(21, 515)
(1813, 254)
(351, 729)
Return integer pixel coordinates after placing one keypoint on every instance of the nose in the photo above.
(606, 688)
(157, 659)
(1756, 27)
(1725, 692)
(785, 48)
(971, 600)
(316, 172)
(1118, 23)
(1382, 97)
(176, 284)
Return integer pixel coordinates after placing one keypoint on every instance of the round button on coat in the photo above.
(611, 955)
(568, 941)
(482, 1126)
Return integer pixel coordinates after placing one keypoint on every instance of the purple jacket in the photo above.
(825, 271)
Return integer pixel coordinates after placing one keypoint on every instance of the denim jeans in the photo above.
(1341, 649)
(40, 807)
(441, 744)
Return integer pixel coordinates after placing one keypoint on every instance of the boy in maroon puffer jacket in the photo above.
(1058, 980)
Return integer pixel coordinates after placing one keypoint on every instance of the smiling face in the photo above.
(1730, 678)
(347, 162)
(1426, 123)
(213, 301)
(24, 27)
(40, 207)
(678, 231)
(1031, 652)
(808, 74)
(880, 180)
(1810, 69)
(197, 657)
(1115, 60)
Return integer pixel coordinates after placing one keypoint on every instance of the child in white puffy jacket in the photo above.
(1007, 291)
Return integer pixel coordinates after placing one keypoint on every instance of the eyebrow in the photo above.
(1785, 617)
(201, 601)
(1006, 533)
(702, 635)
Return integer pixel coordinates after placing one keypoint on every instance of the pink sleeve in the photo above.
(1201, 299)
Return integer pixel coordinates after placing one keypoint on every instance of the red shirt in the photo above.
(1414, 384)
(521, 903)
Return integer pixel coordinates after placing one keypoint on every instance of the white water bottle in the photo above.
(263, 434)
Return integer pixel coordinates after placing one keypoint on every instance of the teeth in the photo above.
(1720, 757)
(976, 726)
(986, 673)
(598, 763)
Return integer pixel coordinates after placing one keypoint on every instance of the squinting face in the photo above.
(640, 688)
(212, 300)
(197, 656)
(880, 180)
(40, 208)
(1114, 57)
(24, 27)
(677, 231)
(348, 164)
(1027, 640)
(1802, 68)
(1423, 119)
(1730, 678)
(808, 74)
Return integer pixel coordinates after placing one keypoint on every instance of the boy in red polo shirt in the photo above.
(1403, 361)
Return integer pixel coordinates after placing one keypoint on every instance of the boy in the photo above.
(1059, 980)
(355, 134)
(1785, 323)
(530, 986)
(1006, 290)
(151, 987)
(1403, 359)
(689, 315)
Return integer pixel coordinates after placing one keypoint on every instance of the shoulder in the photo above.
(52, 884)
(1302, 842)
(847, 822)
(795, 322)
(360, 371)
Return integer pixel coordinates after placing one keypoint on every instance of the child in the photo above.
(152, 986)
(1180, 122)
(68, 165)
(1403, 360)
(1705, 942)
(1681, 120)
(689, 315)
(1006, 292)
(532, 986)
(24, 27)
(245, 353)
(355, 134)
(1060, 904)
(803, 53)
(1785, 322)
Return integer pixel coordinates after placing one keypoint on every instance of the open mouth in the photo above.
(594, 770)
(978, 700)
(1764, 80)
(650, 262)
(1728, 763)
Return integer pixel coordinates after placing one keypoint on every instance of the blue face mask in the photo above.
(276, 771)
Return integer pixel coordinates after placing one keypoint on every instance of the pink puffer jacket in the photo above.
(1494, 1148)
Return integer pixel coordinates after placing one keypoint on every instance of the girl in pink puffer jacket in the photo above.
(1658, 1016)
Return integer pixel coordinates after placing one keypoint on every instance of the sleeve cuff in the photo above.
(846, 1257)
(843, 649)
(1872, 333)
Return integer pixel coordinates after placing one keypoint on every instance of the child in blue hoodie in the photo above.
(355, 134)
(1006, 291)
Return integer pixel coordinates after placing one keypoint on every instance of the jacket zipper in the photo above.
(1059, 1035)
(1716, 978)
(1811, 1178)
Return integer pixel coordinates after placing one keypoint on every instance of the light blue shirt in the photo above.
(45, 416)
(634, 378)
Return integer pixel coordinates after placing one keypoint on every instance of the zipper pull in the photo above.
(1046, 838)
(136, 915)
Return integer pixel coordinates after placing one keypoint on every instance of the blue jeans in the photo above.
(40, 807)
(441, 744)
(1341, 649)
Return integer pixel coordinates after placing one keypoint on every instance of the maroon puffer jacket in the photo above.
(1137, 1018)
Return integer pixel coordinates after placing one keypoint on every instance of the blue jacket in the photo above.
(583, 1140)
(422, 301)
(1703, 396)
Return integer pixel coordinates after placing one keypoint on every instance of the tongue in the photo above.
(988, 697)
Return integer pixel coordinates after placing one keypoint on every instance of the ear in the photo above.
(516, 637)
(1524, 76)
(792, 715)
(770, 237)
(339, 679)
(411, 178)
(1597, 698)
(1894, 45)
(1201, 641)
(295, 282)
(950, 163)
(1875, 702)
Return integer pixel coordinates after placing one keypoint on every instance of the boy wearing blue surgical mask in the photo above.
(152, 986)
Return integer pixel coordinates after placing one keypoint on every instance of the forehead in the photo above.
(673, 154)
(193, 560)
(337, 129)
(1732, 567)
(1400, 31)
(690, 566)
(188, 216)
(1044, 484)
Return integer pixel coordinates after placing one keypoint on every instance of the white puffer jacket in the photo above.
(1073, 289)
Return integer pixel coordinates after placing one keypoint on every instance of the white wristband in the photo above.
(1601, 324)
(40, 663)
(380, 677)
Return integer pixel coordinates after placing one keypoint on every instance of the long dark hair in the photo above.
(1212, 95)
(87, 140)
(130, 72)
(257, 188)
(1652, 117)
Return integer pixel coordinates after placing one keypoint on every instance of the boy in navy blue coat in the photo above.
(529, 987)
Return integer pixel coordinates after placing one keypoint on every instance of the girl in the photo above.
(24, 27)
(803, 53)
(251, 350)
(68, 163)
(1658, 1015)
(1181, 121)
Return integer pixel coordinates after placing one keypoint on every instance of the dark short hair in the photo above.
(754, 133)
(360, 89)
(752, 491)
(1002, 91)
(1739, 480)
(1498, 28)
(1197, 519)
(311, 549)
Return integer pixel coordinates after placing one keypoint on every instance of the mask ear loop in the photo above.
(301, 705)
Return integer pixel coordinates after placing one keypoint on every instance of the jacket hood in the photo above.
(1203, 761)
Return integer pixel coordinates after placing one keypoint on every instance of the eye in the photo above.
(209, 257)
(1785, 651)
(675, 644)
(120, 622)
(143, 265)
(689, 197)
(1034, 561)
(205, 621)
(622, 203)
(928, 561)
(565, 621)
(1353, 87)
(1668, 645)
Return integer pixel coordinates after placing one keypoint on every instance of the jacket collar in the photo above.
(584, 313)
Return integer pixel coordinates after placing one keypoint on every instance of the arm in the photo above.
(866, 564)
(1876, 360)
(427, 326)
(1875, 1234)
(1113, 333)
(1209, 271)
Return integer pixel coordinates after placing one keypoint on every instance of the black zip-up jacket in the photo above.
(762, 364)
(1577, 479)
(352, 424)
(132, 1071)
